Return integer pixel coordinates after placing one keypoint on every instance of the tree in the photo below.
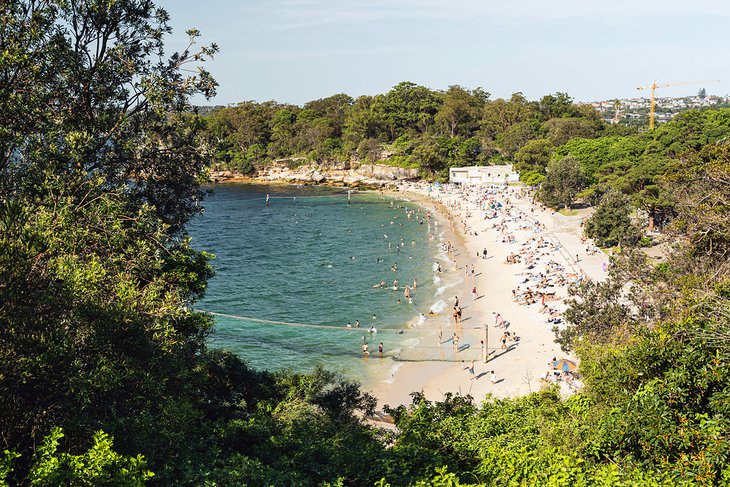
(516, 136)
(561, 130)
(460, 110)
(557, 106)
(563, 181)
(702, 94)
(100, 172)
(407, 107)
(611, 224)
(534, 156)
(500, 114)
(100, 465)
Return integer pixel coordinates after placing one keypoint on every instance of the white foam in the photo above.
(392, 371)
(438, 306)
(410, 342)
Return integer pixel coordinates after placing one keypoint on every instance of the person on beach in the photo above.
(474, 292)
(493, 377)
(441, 334)
(498, 320)
(380, 349)
(504, 341)
(365, 350)
(470, 369)
(456, 301)
(455, 342)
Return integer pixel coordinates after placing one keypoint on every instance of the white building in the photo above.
(483, 174)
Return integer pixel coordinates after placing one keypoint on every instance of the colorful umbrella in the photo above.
(564, 364)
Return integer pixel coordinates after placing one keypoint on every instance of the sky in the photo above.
(294, 51)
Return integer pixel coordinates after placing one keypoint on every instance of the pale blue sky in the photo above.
(299, 50)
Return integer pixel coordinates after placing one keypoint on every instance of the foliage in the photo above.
(562, 183)
(100, 465)
(611, 224)
(456, 127)
(101, 160)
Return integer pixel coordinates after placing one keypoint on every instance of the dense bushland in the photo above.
(105, 374)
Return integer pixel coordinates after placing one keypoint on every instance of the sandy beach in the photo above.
(531, 252)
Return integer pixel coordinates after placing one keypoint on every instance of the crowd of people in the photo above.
(542, 270)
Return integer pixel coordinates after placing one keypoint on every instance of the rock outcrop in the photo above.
(335, 174)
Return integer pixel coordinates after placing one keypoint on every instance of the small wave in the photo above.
(410, 342)
(392, 371)
(438, 306)
(440, 290)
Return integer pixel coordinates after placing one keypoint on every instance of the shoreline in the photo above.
(519, 366)
(462, 222)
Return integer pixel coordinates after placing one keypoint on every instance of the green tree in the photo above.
(101, 173)
(460, 110)
(534, 156)
(558, 105)
(499, 115)
(562, 183)
(611, 223)
(407, 107)
(516, 136)
(561, 130)
(100, 465)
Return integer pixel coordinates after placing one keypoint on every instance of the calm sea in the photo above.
(311, 258)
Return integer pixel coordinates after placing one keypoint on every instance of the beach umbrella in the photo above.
(564, 364)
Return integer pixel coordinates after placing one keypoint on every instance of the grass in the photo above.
(568, 212)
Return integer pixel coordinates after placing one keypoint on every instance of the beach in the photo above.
(531, 252)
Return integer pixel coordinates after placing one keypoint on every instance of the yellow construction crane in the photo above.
(654, 86)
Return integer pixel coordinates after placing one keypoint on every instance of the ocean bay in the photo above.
(311, 258)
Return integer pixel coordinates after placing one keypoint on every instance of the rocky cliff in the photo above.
(336, 174)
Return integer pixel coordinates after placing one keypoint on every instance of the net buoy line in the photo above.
(310, 325)
(263, 198)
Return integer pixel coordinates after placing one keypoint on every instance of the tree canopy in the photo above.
(105, 374)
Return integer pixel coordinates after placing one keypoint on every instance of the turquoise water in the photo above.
(311, 258)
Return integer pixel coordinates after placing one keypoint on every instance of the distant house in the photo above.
(483, 175)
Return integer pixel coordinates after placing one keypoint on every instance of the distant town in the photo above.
(635, 111)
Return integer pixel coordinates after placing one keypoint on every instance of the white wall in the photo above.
(482, 174)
